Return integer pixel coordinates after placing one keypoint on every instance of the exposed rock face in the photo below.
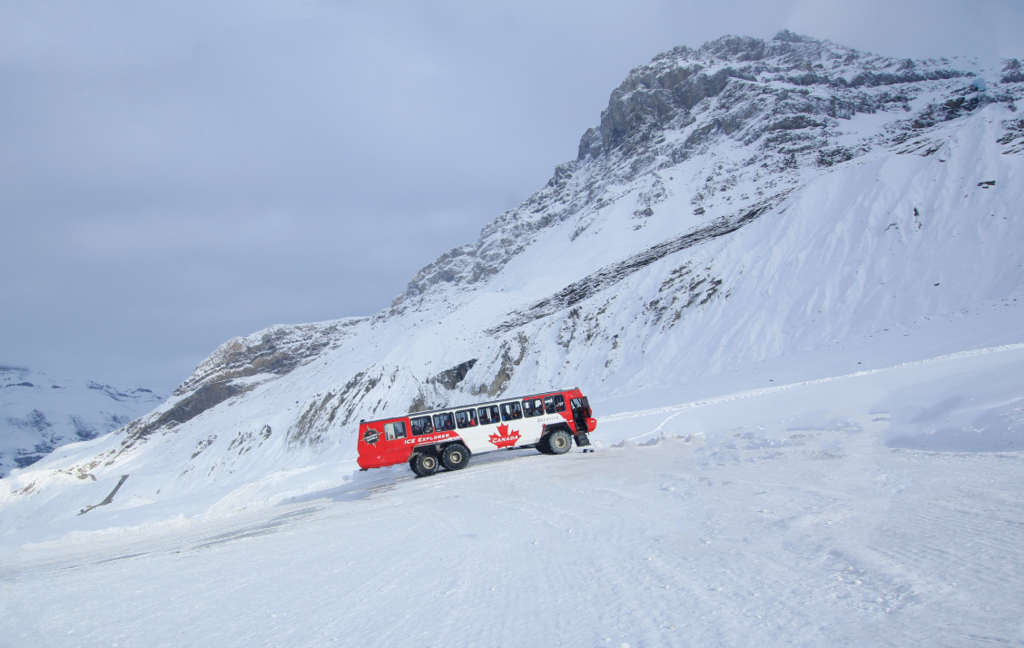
(236, 367)
(1013, 71)
(435, 389)
(276, 350)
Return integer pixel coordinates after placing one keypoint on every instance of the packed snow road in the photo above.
(799, 516)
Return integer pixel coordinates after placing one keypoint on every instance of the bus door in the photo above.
(395, 449)
(580, 409)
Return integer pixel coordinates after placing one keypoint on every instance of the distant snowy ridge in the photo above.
(744, 205)
(39, 413)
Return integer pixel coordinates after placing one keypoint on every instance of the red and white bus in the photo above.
(448, 437)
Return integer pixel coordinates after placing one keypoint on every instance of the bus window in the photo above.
(533, 407)
(394, 430)
(511, 411)
(554, 404)
(421, 426)
(488, 414)
(465, 418)
(444, 422)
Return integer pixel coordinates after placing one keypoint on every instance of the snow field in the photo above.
(777, 516)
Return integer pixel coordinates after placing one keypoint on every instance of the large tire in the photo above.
(424, 464)
(542, 445)
(559, 442)
(455, 456)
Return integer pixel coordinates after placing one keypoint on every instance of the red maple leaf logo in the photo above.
(504, 438)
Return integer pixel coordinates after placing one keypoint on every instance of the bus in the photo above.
(448, 437)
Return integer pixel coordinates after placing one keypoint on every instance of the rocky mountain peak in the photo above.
(782, 102)
(669, 91)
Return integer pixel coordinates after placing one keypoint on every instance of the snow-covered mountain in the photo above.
(747, 212)
(39, 413)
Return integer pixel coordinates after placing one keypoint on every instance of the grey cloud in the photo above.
(174, 174)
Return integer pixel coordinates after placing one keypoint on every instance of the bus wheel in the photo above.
(560, 442)
(424, 464)
(542, 445)
(455, 457)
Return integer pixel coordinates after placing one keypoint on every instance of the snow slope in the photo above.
(39, 413)
(746, 214)
(797, 515)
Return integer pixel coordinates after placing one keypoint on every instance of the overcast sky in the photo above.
(173, 174)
